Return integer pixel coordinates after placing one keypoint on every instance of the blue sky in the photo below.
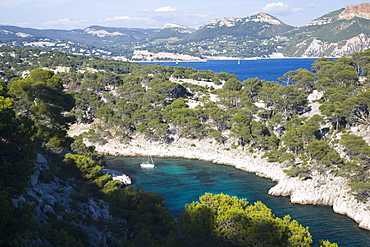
(73, 14)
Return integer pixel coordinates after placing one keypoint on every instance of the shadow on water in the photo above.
(182, 181)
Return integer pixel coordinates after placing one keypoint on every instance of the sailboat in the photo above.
(148, 164)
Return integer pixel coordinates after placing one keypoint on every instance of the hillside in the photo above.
(336, 34)
(260, 25)
(53, 187)
(94, 40)
(253, 36)
(339, 33)
(172, 31)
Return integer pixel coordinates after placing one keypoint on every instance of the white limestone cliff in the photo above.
(318, 48)
(320, 190)
(232, 21)
(102, 33)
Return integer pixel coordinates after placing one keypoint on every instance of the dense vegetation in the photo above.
(121, 100)
(262, 116)
(221, 220)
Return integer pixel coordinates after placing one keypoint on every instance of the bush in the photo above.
(299, 170)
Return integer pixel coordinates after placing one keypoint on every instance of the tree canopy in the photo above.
(230, 221)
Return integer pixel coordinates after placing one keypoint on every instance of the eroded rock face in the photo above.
(102, 33)
(40, 165)
(56, 198)
(319, 48)
(351, 11)
(232, 21)
(325, 190)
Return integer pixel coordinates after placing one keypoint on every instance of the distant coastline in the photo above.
(222, 59)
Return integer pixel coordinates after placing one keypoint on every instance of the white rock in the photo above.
(116, 175)
(320, 190)
(48, 208)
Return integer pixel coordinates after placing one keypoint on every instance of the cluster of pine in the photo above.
(261, 116)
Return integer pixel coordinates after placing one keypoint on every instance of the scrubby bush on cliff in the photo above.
(17, 156)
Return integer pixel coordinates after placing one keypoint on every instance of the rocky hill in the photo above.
(339, 33)
(93, 40)
(173, 31)
(336, 34)
(258, 26)
(362, 11)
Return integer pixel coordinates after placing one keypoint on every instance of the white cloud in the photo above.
(280, 8)
(67, 22)
(165, 9)
(116, 18)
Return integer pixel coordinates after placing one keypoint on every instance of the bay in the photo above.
(182, 181)
(264, 69)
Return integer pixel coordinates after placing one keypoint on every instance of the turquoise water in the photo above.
(182, 181)
(266, 69)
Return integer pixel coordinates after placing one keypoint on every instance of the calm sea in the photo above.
(266, 69)
(182, 181)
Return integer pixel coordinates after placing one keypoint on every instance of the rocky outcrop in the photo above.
(319, 48)
(232, 21)
(320, 190)
(351, 11)
(325, 190)
(102, 33)
(55, 198)
(340, 33)
(116, 175)
(40, 165)
(178, 28)
(316, 48)
(358, 43)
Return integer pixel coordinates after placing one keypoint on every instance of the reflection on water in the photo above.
(182, 181)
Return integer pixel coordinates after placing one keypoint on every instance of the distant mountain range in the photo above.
(339, 33)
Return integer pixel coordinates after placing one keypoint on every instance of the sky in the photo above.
(79, 14)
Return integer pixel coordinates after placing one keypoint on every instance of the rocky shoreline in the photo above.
(320, 190)
(116, 175)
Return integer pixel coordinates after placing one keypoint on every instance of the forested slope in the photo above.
(121, 100)
(263, 116)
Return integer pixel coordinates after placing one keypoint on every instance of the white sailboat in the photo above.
(148, 164)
